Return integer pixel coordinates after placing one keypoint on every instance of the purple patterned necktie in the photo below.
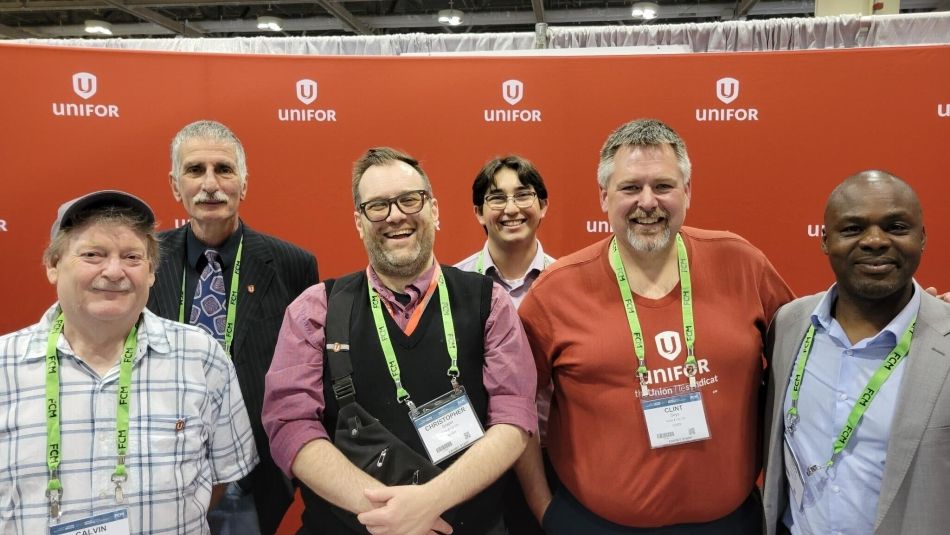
(208, 309)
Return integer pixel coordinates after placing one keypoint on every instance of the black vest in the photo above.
(423, 363)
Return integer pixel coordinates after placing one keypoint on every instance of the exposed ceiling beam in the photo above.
(744, 7)
(498, 18)
(538, 7)
(154, 17)
(350, 21)
(11, 32)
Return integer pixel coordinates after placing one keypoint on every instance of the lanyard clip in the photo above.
(118, 480)
(412, 406)
(54, 496)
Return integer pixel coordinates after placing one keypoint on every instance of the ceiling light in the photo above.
(450, 17)
(645, 10)
(98, 27)
(272, 24)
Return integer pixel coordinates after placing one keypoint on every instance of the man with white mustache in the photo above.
(235, 283)
(114, 420)
(654, 339)
(417, 331)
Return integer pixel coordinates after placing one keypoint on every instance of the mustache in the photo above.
(204, 196)
(106, 286)
(656, 212)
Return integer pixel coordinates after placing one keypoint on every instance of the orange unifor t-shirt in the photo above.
(597, 436)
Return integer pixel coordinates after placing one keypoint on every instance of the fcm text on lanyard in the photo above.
(232, 299)
(686, 293)
(402, 395)
(54, 489)
(870, 391)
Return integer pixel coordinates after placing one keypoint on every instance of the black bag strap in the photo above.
(340, 296)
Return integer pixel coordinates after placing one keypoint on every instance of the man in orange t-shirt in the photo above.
(654, 340)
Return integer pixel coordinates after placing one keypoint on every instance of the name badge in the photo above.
(111, 523)
(447, 425)
(793, 473)
(675, 419)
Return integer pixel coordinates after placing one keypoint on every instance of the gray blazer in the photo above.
(915, 493)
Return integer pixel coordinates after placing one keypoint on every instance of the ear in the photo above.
(243, 188)
(824, 240)
(151, 277)
(603, 200)
(923, 238)
(52, 275)
(358, 221)
(173, 182)
(480, 216)
(544, 208)
(688, 188)
(435, 211)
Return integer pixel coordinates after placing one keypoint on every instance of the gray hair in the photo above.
(642, 132)
(212, 131)
(384, 156)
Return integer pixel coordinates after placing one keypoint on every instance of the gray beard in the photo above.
(647, 246)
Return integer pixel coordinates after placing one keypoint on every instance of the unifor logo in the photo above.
(512, 91)
(727, 89)
(84, 84)
(668, 344)
(306, 91)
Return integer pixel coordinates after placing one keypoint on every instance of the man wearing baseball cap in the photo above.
(115, 418)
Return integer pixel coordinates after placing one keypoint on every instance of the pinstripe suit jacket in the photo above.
(915, 492)
(279, 272)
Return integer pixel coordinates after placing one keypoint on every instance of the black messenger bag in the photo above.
(359, 436)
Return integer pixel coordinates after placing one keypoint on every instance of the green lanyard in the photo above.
(880, 376)
(402, 396)
(54, 489)
(480, 262)
(232, 299)
(686, 293)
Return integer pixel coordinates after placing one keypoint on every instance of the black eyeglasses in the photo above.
(498, 201)
(409, 203)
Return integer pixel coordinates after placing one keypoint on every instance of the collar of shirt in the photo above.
(195, 249)
(537, 263)
(823, 321)
(151, 335)
(416, 289)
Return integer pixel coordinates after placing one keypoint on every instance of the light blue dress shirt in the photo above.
(843, 499)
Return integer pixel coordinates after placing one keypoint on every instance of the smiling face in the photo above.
(874, 236)
(645, 198)
(400, 245)
(207, 182)
(103, 275)
(512, 225)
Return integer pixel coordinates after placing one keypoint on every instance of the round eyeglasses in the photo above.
(408, 203)
(522, 199)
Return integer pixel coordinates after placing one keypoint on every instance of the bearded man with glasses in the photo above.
(468, 351)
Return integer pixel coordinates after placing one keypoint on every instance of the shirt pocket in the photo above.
(166, 456)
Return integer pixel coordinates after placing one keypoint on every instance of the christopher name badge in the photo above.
(447, 425)
(111, 523)
(675, 419)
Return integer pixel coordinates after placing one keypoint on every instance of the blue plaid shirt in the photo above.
(188, 430)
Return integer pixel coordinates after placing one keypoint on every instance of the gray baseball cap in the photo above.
(69, 210)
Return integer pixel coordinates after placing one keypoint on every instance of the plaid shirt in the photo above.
(188, 430)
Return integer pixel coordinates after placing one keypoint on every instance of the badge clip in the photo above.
(54, 497)
(118, 480)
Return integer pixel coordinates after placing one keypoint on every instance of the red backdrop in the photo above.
(820, 116)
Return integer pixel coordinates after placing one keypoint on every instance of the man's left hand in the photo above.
(403, 510)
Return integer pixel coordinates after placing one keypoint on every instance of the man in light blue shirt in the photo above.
(859, 388)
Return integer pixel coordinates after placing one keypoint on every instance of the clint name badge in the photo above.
(675, 419)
